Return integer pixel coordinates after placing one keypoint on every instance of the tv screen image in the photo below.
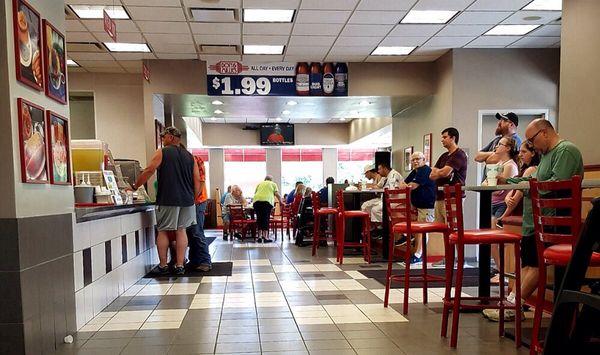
(277, 134)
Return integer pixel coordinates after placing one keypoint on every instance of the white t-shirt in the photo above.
(393, 180)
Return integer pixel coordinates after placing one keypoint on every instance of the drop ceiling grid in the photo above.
(347, 40)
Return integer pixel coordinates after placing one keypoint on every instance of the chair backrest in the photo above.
(339, 196)
(315, 200)
(397, 204)
(296, 204)
(454, 209)
(236, 212)
(556, 210)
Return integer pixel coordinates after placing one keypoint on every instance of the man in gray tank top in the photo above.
(178, 185)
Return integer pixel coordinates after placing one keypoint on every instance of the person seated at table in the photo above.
(324, 192)
(235, 197)
(393, 179)
(372, 174)
(422, 197)
(290, 196)
(305, 218)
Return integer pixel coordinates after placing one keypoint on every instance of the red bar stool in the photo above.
(556, 234)
(459, 238)
(318, 212)
(400, 220)
(365, 234)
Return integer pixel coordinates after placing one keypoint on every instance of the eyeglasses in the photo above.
(530, 140)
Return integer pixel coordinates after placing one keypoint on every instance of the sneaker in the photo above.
(267, 240)
(238, 236)
(440, 263)
(161, 270)
(203, 267)
(494, 315)
(259, 240)
(415, 260)
(179, 270)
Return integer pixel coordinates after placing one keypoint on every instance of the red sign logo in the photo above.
(110, 26)
(228, 67)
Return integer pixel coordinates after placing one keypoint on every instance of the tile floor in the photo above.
(278, 300)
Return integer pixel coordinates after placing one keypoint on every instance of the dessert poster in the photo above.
(55, 74)
(28, 55)
(32, 142)
(58, 143)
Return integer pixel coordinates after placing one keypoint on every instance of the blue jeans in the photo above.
(196, 239)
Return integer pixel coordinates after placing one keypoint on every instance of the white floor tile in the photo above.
(348, 285)
(327, 267)
(161, 325)
(356, 275)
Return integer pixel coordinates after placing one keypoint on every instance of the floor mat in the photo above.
(218, 269)
(470, 277)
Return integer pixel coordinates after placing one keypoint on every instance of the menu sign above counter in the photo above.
(233, 78)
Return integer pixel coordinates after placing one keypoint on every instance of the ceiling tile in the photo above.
(386, 5)
(378, 17)
(453, 42)
(431, 51)
(324, 41)
(415, 30)
(498, 5)
(404, 41)
(234, 120)
(266, 40)
(542, 31)
(457, 5)
(79, 37)
(216, 28)
(172, 3)
(90, 56)
(177, 38)
(259, 58)
(299, 120)
(162, 27)
(267, 28)
(518, 18)
(471, 45)
(357, 41)
(218, 39)
(464, 30)
(362, 50)
(307, 50)
(386, 58)
(494, 40)
(97, 63)
(173, 48)
(130, 63)
(345, 58)
(366, 30)
(303, 58)
(220, 57)
(122, 26)
(271, 4)
(322, 16)
(132, 70)
(106, 69)
(305, 29)
(480, 17)
(131, 57)
(229, 4)
(74, 25)
(121, 37)
(156, 13)
(176, 56)
(535, 42)
(329, 4)
(421, 58)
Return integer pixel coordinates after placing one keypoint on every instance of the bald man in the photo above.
(560, 160)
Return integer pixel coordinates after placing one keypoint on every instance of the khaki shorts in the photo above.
(171, 218)
(440, 211)
(425, 214)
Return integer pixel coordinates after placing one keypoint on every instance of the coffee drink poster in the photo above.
(32, 142)
(55, 73)
(28, 56)
(58, 136)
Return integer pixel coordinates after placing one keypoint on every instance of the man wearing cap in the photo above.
(507, 127)
(178, 185)
(371, 174)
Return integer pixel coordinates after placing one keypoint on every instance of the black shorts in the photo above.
(528, 251)
(263, 214)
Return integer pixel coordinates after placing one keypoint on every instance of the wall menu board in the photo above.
(233, 78)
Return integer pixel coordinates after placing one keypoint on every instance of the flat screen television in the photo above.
(277, 134)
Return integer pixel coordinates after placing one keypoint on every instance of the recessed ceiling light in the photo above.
(72, 63)
(428, 16)
(364, 103)
(268, 15)
(342, 119)
(292, 103)
(218, 112)
(392, 50)
(511, 30)
(278, 119)
(127, 47)
(217, 102)
(549, 5)
(88, 12)
(263, 49)
(286, 112)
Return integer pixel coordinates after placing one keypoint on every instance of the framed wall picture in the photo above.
(58, 149)
(28, 44)
(32, 143)
(407, 153)
(55, 63)
(427, 148)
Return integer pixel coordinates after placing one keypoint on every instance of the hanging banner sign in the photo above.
(233, 78)
(110, 26)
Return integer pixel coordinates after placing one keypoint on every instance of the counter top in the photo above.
(84, 214)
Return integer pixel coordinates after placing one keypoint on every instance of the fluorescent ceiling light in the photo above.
(342, 119)
(393, 50)
(267, 15)
(278, 119)
(213, 118)
(428, 16)
(72, 63)
(549, 5)
(263, 49)
(511, 30)
(292, 103)
(87, 11)
(218, 112)
(286, 112)
(364, 103)
(217, 102)
(127, 47)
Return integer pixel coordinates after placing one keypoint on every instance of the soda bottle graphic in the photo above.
(316, 79)
(328, 79)
(302, 79)
(341, 79)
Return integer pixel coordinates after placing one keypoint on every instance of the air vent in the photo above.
(214, 15)
(219, 49)
(84, 47)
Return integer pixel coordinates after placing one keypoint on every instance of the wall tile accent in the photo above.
(123, 249)
(137, 243)
(78, 270)
(87, 266)
(108, 256)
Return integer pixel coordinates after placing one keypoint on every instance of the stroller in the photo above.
(305, 224)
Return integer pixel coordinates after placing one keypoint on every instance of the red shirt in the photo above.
(203, 194)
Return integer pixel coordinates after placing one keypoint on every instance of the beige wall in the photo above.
(83, 119)
(19, 199)
(579, 76)
(362, 127)
(118, 106)
(391, 79)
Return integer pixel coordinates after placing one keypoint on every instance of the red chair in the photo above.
(556, 232)
(459, 238)
(319, 212)
(401, 217)
(277, 220)
(239, 222)
(365, 240)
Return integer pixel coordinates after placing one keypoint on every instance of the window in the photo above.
(203, 153)
(304, 165)
(351, 163)
(245, 168)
